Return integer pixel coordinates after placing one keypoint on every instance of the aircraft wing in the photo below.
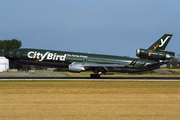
(102, 65)
(78, 67)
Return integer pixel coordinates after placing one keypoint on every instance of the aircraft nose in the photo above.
(6, 55)
(9, 54)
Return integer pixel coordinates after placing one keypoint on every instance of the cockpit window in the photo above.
(11, 52)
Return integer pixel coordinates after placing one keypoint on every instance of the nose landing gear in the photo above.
(27, 69)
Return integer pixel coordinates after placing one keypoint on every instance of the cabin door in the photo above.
(85, 60)
(18, 54)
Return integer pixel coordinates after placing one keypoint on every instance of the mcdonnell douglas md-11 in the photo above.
(148, 59)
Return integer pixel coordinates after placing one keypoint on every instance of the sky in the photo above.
(113, 27)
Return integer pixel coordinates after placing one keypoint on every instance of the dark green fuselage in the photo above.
(89, 61)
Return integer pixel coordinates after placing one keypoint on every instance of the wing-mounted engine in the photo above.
(76, 67)
(154, 55)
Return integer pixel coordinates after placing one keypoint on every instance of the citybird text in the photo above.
(47, 55)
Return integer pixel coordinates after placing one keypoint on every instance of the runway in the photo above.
(92, 79)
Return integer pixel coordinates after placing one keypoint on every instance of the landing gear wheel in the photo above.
(92, 75)
(95, 76)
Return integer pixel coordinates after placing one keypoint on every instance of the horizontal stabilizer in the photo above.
(156, 64)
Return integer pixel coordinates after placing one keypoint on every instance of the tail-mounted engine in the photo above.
(155, 55)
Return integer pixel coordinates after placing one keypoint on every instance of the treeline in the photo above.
(174, 63)
(6, 46)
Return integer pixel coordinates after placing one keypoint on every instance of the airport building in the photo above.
(4, 64)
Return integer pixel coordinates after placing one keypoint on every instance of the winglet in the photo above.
(161, 43)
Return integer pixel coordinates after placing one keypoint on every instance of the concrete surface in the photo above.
(32, 74)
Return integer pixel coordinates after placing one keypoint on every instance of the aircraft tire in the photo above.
(95, 76)
(92, 75)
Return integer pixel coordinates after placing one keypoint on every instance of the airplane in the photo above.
(148, 59)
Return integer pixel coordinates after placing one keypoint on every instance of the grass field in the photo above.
(89, 100)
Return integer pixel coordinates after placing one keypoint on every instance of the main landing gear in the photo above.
(95, 76)
(97, 72)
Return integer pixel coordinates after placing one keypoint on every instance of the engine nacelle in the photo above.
(155, 55)
(76, 67)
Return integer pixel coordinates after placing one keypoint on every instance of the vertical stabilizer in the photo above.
(161, 43)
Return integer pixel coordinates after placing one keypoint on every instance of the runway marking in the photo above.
(48, 74)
